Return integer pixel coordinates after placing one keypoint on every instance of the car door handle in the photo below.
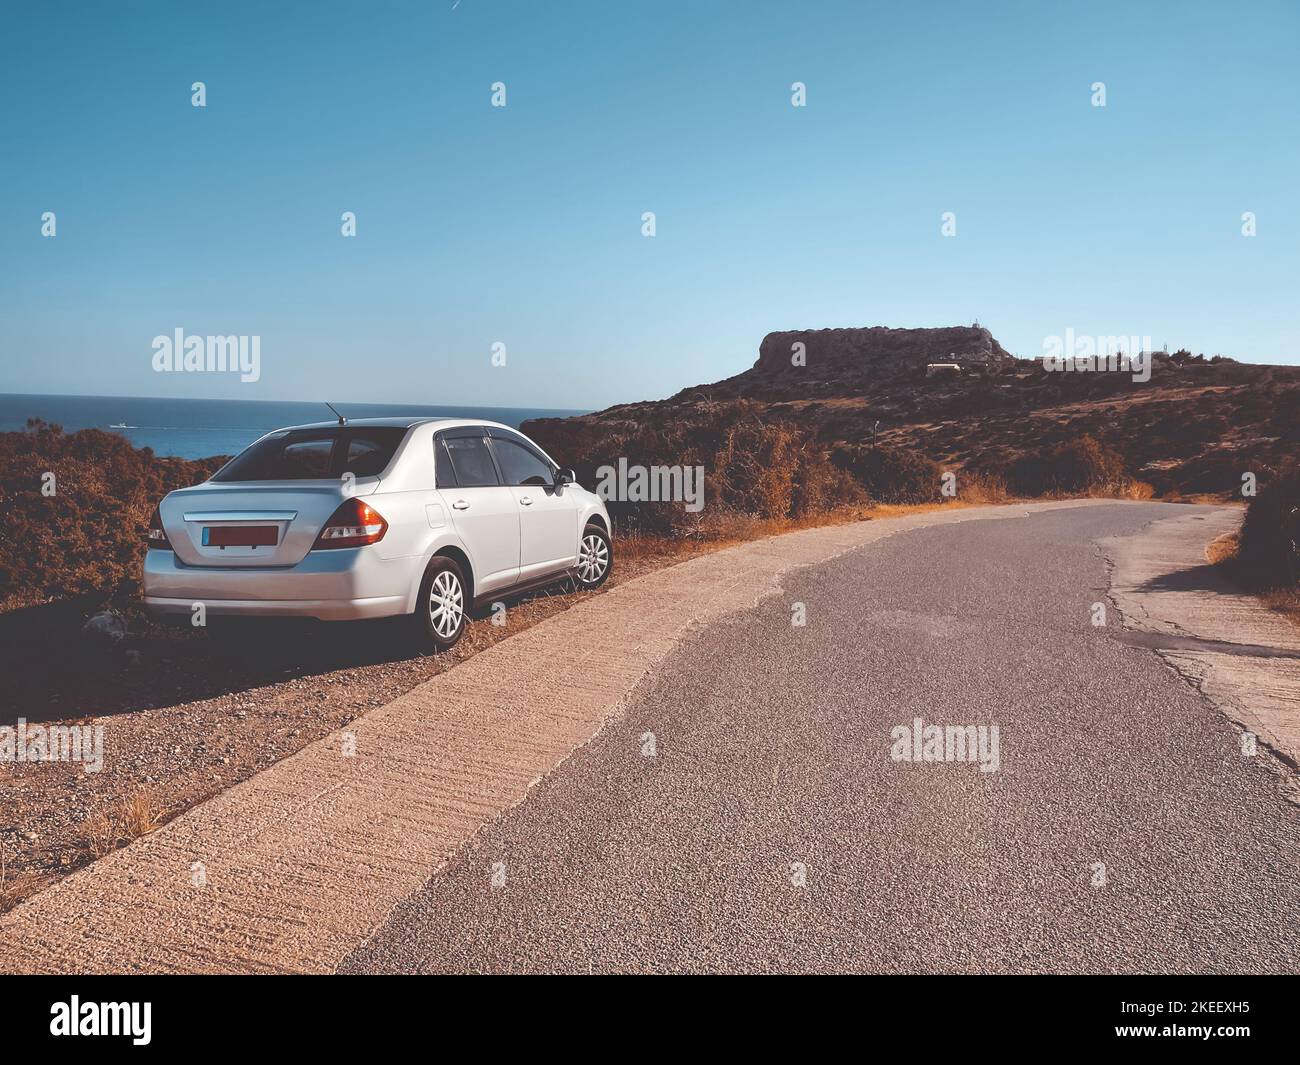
(460, 504)
(525, 501)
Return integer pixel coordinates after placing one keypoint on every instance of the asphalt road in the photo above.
(772, 746)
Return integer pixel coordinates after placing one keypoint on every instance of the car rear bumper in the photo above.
(323, 609)
(339, 585)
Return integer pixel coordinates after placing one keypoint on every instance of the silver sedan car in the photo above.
(418, 517)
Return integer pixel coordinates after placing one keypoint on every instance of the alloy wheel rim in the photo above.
(446, 604)
(593, 559)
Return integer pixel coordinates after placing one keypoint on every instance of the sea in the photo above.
(200, 428)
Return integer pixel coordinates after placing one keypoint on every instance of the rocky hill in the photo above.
(1194, 428)
(808, 363)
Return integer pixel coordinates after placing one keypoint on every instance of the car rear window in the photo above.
(368, 457)
(305, 459)
(315, 454)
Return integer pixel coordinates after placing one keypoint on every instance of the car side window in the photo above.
(471, 461)
(520, 465)
(444, 477)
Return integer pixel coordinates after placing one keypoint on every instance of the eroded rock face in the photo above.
(850, 351)
(846, 362)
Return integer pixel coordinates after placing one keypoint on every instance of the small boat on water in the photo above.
(121, 425)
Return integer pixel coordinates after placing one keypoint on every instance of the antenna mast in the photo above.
(342, 420)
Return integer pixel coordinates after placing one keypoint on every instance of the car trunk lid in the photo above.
(247, 525)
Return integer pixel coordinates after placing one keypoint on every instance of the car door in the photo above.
(483, 512)
(548, 515)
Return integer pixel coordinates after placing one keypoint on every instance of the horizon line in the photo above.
(354, 403)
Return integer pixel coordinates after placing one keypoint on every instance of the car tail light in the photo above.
(156, 537)
(354, 524)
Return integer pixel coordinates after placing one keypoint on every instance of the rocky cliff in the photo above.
(854, 362)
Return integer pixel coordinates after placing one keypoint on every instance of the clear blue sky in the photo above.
(522, 224)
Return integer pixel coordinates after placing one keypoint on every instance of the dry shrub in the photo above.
(892, 475)
(1223, 549)
(1133, 489)
(87, 537)
(980, 487)
(1084, 465)
(754, 465)
(1270, 534)
(754, 469)
(1285, 601)
(1212, 474)
(821, 486)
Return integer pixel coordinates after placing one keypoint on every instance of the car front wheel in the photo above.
(595, 557)
(440, 609)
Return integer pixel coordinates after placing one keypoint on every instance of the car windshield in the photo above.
(315, 454)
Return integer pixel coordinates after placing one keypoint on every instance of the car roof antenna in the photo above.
(342, 420)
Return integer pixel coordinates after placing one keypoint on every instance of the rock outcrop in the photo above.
(849, 362)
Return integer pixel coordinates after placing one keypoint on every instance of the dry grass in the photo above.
(1286, 601)
(1139, 490)
(22, 886)
(134, 816)
(13, 889)
(1217, 499)
(1225, 551)
(982, 488)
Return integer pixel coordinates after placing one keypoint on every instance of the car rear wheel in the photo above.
(440, 609)
(595, 558)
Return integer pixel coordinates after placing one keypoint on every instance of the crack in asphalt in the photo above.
(1163, 641)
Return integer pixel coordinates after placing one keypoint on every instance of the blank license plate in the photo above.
(240, 536)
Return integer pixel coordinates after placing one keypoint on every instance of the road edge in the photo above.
(1221, 640)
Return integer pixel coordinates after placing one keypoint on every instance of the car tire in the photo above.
(441, 609)
(595, 558)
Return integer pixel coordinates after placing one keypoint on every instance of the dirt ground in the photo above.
(186, 715)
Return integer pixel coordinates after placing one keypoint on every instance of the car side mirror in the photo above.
(563, 477)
